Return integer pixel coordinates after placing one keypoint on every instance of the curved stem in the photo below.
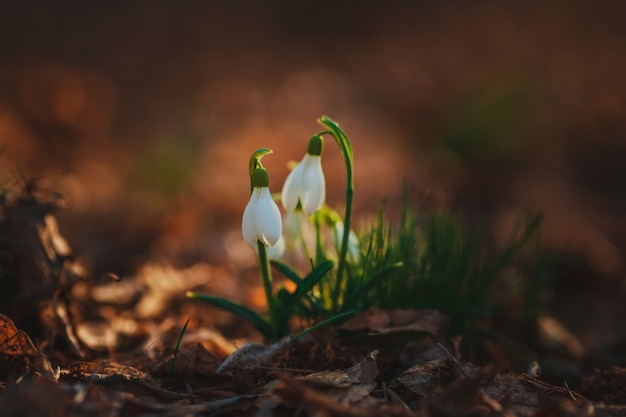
(266, 275)
(346, 149)
(319, 250)
(255, 162)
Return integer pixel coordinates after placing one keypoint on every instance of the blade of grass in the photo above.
(244, 312)
(368, 285)
(171, 370)
(311, 280)
(326, 322)
(287, 272)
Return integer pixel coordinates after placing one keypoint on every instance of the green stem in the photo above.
(319, 251)
(171, 370)
(266, 275)
(346, 149)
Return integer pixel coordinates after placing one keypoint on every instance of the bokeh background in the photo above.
(143, 114)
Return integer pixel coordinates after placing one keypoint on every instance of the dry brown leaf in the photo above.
(466, 398)
(608, 386)
(355, 383)
(364, 371)
(322, 404)
(97, 335)
(394, 399)
(105, 369)
(210, 339)
(391, 321)
(252, 355)
(516, 392)
(165, 282)
(555, 336)
(40, 264)
(427, 379)
(18, 354)
(553, 389)
(41, 397)
(238, 403)
(196, 360)
(510, 390)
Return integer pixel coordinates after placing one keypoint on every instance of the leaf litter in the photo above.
(73, 346)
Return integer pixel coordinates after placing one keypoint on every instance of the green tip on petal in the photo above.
(255, 159)
(255, 162)
(316, 146)
(261, 152)
(260, 178)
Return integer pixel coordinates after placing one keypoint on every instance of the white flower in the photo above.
(293, 226)
(261, 219)
(305, 183)
(354, 246)
(276, 251)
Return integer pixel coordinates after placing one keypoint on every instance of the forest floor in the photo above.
(74, 345)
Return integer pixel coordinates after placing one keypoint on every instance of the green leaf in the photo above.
(244, 312)
(171, 370)
(303, 286)
(360, 291)
(311, 280)
(289, 273)
(295, 278)
(322, 323)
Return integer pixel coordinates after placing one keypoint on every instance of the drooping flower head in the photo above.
(261, 218)
(277, 250)
(306, 182)
(354, 247)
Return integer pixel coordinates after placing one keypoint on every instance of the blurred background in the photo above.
(143, 114)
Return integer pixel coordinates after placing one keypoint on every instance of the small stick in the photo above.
(456, 362)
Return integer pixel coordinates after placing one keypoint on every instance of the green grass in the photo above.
(428, 260)
(435, 261)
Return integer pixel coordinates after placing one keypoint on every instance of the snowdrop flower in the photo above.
(261, 218)
(306, 182)
(277, 250)
(293, 226)
(354, 247)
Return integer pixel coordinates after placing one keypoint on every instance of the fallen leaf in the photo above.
(106, 370)
(364, 371)
(524, 394)
(18, 354)
(553, 335)
(355, 383)
(39, 397)
(427, 379)
(196, 360)
(608, 386)
(252, 355)
(396, 320)
(320, 403)
(40, 268)
(466, 398)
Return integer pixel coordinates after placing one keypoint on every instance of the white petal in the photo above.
(293, 226)
(354, 246)
(313, 191)
(276, 251)
(292, 188)
(248, 224)
(267, 218)
(338, 234)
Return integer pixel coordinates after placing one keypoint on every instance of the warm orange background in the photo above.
(144, 113)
